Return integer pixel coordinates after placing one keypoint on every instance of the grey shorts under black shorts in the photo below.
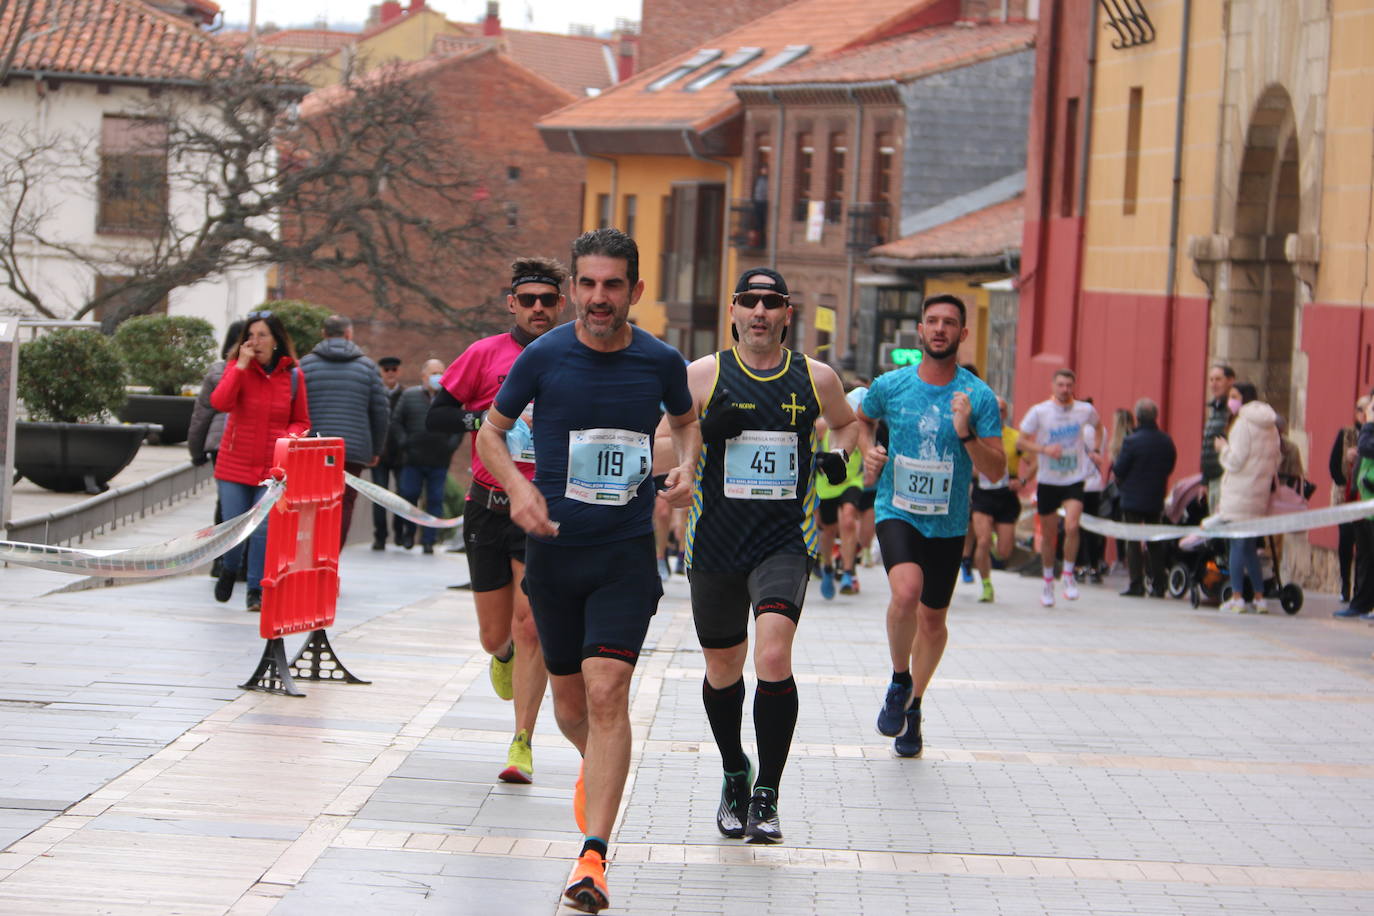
(721, 601)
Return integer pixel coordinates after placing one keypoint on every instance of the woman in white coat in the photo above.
(1249, 456)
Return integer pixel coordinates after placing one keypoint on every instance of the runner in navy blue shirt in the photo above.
(593, 582)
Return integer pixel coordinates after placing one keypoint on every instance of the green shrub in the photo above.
(302, 320)
(72, 375)
(166, 352)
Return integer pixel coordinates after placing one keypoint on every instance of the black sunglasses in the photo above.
(770, 300)
(254, 316)
(527, 300)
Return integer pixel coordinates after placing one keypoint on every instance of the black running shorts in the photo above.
(867, 500)
(492, 540)
(1000, 503)
(1049, 497)
(592, 601)
(830, 508)
(938, 558)
(721, 600)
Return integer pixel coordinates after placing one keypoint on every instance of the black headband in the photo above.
(534, 278)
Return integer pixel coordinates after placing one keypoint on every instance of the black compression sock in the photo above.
(725, 712)
(594, 844)
(775, 717)
(902, 677)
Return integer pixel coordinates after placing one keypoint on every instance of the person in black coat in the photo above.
(388, 467)
(1344, 457)
(425, 455)
(1142, 477)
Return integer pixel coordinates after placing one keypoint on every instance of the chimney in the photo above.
(391, 11)
(626, 56)
(491, 26)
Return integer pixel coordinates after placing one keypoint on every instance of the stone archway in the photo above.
(1255, 320)
(1260, 265)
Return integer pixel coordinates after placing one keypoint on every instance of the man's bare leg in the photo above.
(530, 676)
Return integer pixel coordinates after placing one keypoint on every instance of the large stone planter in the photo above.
(171, 412)
(71, 457)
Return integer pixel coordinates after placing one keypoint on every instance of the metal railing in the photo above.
(112, 508)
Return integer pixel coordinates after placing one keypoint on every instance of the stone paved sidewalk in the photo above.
(1105, 756)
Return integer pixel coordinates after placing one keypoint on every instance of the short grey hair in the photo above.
(1146, 411)
(337, 325)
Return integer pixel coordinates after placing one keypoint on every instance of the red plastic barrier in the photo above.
(300, 580)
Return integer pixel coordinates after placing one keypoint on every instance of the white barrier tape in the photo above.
(394, 504)
(1249, 528)
(151, 560)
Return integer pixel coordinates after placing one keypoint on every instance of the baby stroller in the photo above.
(1198, 568)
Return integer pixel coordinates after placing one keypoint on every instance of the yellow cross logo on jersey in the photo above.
(793, 408)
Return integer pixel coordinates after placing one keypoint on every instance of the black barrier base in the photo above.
(317, 661)
(273, 675)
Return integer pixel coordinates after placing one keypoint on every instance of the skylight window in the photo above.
(781, 59)
(697, 60)
(728, 65)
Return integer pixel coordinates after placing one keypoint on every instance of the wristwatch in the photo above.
(970, 437)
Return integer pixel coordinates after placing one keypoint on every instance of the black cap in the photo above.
(779, 285)
(389, 362)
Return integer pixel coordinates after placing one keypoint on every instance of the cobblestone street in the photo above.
(1109, 755)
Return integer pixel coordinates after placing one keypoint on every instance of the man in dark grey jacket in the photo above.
(346, 400)
(1142, 474)
(427, 454)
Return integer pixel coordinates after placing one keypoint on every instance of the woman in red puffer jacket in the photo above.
(263, 393)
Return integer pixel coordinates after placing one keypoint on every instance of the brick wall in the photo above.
(490, 105)
(993, 10)
(671, 27)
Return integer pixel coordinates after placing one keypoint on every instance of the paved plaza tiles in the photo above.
(1105, 756)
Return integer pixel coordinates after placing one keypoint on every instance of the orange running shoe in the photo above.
(580, 801)
(587, 884)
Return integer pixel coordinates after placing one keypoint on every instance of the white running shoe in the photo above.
(1234, 605)
(1257, 607)
(1047, 593)
(1070, 588)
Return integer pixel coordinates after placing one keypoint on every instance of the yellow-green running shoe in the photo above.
(503, 675)
(986, 597)
(519, 761)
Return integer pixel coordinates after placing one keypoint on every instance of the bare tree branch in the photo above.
(359, 182)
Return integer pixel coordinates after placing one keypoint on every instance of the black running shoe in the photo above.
(908, 743)
(763, 826)
(733, 812)
(892, 716)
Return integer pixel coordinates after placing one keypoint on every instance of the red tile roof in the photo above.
(117, 38)
(983, 233)
(574, 62)
(825, 25)
(907, 57)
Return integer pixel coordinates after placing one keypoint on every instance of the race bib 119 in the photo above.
(606, 466)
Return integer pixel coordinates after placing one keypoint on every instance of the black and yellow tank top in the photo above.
(755, 494)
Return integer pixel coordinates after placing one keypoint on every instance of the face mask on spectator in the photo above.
(435, 379)
(1234, 404)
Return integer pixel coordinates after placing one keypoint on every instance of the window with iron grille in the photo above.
(133, 175)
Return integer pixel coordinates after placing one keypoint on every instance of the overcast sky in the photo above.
(539, 15)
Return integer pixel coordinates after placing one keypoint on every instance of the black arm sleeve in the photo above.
(446, 414)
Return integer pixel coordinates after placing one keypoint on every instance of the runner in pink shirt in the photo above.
(496, 545)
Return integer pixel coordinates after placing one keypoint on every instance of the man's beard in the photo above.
(949, 351)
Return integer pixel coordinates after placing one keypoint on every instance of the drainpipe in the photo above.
(1085, 147)
(775, 182)
(856, 165)
(615, 169)
(1171, 280)
(725, 284)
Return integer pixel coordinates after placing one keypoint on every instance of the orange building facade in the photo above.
(1197, 191)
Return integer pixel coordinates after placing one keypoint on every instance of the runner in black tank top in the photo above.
(751, 531)
(767, 506)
